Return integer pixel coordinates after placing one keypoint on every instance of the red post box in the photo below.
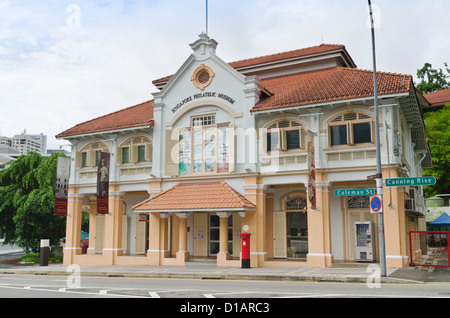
(245, 250)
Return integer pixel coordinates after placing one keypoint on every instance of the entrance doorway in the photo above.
(214, 234)
(290, 230)
(200, 234)
(297, 236)
(206, 234)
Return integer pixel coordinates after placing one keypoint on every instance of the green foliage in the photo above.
(35, 258)
(432, 80)
(27, 201)
(438, 134)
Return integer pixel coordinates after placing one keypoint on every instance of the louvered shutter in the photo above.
(232, 164)
(172, 152)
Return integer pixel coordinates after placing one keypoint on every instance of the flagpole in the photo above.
(379, 176)
(206, 17)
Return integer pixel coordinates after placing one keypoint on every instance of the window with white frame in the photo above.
(350, 128)
(89, 155)
(135, 150)
(284, 135)
(204, 147)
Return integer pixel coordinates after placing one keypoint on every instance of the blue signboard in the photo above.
(376, 205)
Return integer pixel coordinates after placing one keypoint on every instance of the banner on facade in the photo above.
(311, 171)
(103, 183)
(62, 185)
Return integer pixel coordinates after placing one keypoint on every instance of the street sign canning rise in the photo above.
(410, 181)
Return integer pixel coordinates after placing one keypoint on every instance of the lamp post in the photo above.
(379, 177)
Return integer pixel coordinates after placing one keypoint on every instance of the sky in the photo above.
(63, 62)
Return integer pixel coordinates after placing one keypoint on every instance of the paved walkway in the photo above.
(348, 274)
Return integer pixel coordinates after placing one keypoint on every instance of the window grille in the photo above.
(206, 120)
(358, 202)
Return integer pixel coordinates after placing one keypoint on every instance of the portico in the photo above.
(211, 208)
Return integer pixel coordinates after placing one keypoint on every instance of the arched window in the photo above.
(205, 146)
(89, 155)
(284, 135)
(137, 149)
(350, 128)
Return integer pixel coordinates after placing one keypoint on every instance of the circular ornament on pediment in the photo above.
(202, 76)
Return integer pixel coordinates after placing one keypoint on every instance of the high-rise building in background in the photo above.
(25, 143)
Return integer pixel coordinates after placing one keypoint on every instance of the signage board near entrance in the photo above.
(353, 192)
(394, 182)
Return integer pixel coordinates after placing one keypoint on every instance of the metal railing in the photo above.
(429, 248)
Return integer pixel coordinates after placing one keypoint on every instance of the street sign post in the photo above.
(379, 175)
(353, 192)
(405, 182)
(376, 205)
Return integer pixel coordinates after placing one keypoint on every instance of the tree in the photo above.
(432, 80)
(438, 134)
(27, 201)
(16, 182)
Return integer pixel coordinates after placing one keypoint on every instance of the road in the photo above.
(17, 286)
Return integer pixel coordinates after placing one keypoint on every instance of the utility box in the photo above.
(364, 242)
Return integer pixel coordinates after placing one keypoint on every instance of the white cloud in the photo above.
(54, 74)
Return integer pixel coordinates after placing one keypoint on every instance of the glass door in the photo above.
(214, 234)
(297, 234)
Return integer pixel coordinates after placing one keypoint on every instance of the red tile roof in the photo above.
(196, 196)
(287, 55)
(134, 116)
(334, 84)
(438, 98)
(310, 51)
(328, 85)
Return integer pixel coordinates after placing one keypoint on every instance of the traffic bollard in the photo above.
(45, 247)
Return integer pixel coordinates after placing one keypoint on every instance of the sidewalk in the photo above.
(347, 274)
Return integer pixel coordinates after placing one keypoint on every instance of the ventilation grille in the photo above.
(203, 77)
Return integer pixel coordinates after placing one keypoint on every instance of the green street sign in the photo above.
(351, 192)
(402, 182)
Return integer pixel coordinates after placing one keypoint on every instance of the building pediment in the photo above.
(206, 80)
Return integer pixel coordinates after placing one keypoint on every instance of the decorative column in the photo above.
(158, 137)
(112, 247)
(394, 223)
(223, 254)
(92, 218)
(164, 235)
(153, 252)
(319, 226)
(255, 192)
(182, 253)
(72, 246)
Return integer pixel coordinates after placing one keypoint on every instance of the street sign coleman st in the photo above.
(410, 181)
(353, 192)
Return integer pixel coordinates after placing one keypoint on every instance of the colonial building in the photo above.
(260, 145)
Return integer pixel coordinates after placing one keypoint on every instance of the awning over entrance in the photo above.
(195, 197)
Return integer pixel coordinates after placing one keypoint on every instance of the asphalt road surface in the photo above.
(18, 286)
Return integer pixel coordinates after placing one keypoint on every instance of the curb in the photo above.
(330, 278)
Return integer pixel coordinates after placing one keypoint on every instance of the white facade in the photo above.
(225, 99)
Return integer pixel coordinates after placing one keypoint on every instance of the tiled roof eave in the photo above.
(185, 210)
(104, 130)
(222, 198)
(320, 102)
